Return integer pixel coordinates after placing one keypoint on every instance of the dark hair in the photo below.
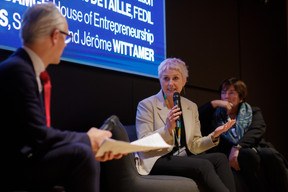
(240, 87)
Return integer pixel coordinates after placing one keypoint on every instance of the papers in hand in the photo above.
(151, 142)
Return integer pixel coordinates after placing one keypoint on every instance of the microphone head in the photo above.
(176, 98)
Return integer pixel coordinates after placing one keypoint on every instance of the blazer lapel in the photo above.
(163, 112)
(187, 115)
(161, 106)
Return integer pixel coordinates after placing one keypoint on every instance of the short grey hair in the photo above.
(173, 63)
(39, 21)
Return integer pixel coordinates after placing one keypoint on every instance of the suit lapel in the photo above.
(163, 112)
(187, 114)
(161, 106)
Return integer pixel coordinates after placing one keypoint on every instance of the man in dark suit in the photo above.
(35, 155)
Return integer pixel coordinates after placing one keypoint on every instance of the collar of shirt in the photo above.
(37, 64)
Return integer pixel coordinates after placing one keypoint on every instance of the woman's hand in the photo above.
(233, 158)
(221, 129)
(224, 104)
(173, 115)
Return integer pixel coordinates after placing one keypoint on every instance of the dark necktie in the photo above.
(44, 76)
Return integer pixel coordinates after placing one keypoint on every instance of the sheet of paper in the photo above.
(151, 142)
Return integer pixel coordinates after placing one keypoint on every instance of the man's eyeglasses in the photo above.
(68, 37)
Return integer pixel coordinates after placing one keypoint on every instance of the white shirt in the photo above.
(37, 64)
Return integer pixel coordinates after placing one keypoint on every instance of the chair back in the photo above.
(116, 172)
(122, 176)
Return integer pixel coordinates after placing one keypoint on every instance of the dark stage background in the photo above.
(217, 39)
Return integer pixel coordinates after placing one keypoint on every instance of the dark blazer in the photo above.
(254, 137)
(24, 134)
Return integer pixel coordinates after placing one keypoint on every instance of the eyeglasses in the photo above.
(68, 37)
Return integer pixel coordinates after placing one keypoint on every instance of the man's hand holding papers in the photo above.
(151, 142)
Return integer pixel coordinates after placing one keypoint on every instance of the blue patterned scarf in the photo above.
(243, 121)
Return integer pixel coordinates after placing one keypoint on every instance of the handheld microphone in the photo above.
(176, 99)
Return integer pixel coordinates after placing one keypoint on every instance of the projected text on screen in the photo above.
(124, 35)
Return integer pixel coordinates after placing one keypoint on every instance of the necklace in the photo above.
(166, 100)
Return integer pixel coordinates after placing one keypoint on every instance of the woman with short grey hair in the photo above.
(159, 114)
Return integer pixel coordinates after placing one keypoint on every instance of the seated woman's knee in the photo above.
(249, 158)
